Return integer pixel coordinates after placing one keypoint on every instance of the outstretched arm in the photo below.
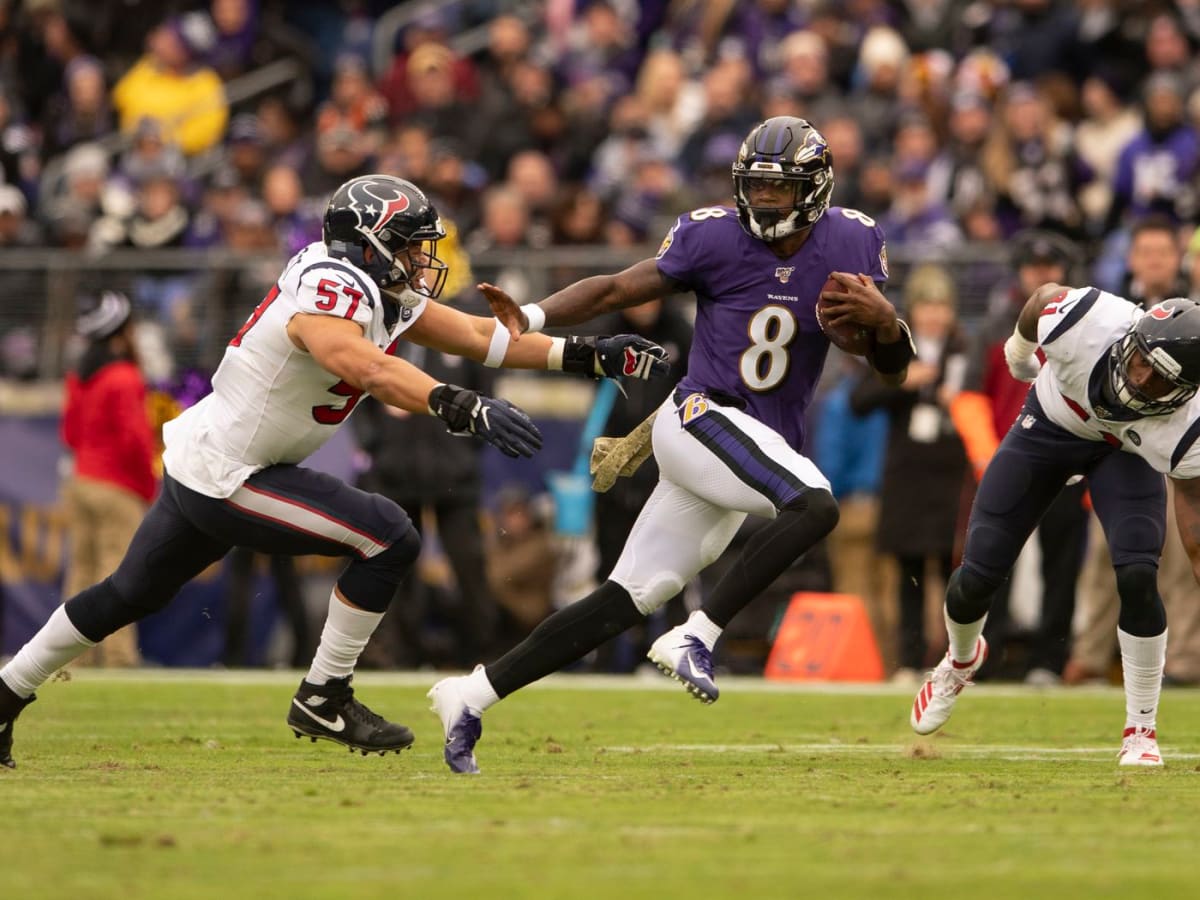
(585, 299)
(487, 341)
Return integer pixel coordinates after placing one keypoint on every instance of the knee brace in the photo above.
(969, 595)
(371, 583)
(1142, 611)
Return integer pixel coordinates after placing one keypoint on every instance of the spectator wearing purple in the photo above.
(81, 112)
(915, 219)
(222, 195)
(1155, 170)
(295, 220)
(237, 28)
(756, 30)
(598, 44)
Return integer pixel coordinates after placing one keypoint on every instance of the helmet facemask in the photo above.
(410, 265)
(1128, 395)
(809, 199)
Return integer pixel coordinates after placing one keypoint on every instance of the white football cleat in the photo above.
(935, 699)
(461, 727)
(1139, 747)
(683, 656)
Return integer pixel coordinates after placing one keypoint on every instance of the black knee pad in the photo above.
(102, 609)
(371, 583)
(969, 595)
(1142, 611)
(819, 509)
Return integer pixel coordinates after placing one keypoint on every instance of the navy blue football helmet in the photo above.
(396, 220)
(1168, 336)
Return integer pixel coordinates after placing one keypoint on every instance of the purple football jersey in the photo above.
(757, 337)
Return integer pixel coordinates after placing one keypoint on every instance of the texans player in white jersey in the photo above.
(1114, 400)
(729, 440)
(321, 338)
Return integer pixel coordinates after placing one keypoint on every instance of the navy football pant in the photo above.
(282, 509)
(1032, 464)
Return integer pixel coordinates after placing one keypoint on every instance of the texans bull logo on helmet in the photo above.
(376, 203)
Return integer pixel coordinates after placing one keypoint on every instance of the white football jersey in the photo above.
(271, 403)
(1075, 332)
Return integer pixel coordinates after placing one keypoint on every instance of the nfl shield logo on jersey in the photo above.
(783, 273)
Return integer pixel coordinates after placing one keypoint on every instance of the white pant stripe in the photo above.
(293, 514)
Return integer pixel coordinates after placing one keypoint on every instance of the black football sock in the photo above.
(568, 635)
(770, 551)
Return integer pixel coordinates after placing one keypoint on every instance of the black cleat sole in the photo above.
(366, 751)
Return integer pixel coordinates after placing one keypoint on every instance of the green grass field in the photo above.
(165, 785)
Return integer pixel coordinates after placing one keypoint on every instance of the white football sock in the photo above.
(56, 644)
(963, 637)
(477, 691)
(703, 627)
(347, 630)
(1142, 660)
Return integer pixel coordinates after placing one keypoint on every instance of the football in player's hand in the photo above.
(849, 337)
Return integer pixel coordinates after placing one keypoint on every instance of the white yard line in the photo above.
(650, 681)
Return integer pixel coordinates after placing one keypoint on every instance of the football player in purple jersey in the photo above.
(1114, 400)
(729, 440)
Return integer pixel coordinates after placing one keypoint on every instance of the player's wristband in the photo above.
(579, 357)
(554, 356)
(536, 316)
(498, 346)
(892, 358)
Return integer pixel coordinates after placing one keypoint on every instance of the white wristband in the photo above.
(536, 316)
(498, 347)
(1019, 354)
(554, 356)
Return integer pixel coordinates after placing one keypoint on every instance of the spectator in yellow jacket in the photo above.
(169, 85)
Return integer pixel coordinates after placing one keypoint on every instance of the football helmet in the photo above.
(786, 149)
(396, 220)
(1168, 336)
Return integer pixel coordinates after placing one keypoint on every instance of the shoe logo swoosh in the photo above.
(338, 724)
(691, 661)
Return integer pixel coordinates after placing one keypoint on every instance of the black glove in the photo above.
(625, 355)
(498, 422)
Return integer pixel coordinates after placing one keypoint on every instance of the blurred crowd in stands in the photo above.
(1066, 132)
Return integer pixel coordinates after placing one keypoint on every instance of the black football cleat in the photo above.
(330, 712)
(10, 707)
